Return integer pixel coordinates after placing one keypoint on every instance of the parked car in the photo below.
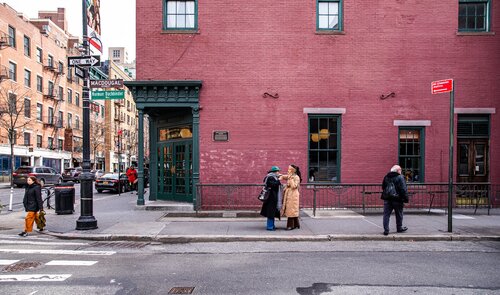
(97, 173)
(46, 175)
(72, 174)
(110, 181)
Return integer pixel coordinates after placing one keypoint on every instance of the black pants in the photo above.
(292, 222)
(398, 211)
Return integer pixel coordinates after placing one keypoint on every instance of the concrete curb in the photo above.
(179, 239)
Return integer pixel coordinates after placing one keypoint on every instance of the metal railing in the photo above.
(358, 197)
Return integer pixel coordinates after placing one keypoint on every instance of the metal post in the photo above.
(86, 220)
(450, 167)
(140, 162)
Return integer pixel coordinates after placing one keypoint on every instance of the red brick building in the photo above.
(340, 88)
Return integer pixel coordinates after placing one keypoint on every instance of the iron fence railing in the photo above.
(359, 197)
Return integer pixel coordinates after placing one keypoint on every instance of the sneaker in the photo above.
(403, 229)
(23, 234)
(40, 230)
(386, 233)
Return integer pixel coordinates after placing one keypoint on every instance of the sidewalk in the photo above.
(119, 218)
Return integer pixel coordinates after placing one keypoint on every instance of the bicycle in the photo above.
(50, 191)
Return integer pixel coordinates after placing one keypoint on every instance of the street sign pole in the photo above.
(437, 87)
(450, 167)
(86, 220)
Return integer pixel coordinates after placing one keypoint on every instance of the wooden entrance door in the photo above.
(473, 160)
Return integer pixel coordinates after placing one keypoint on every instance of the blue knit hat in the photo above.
(274, 169)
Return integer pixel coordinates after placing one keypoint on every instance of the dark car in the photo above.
(109, 181)
(72, 174)
(46, 175)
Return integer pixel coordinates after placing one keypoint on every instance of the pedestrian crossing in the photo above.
(31, 261)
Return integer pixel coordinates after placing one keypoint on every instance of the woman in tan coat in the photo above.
(291, 196)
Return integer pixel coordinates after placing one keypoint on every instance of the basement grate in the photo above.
(128, 245)
(20, 266)
(181, 290)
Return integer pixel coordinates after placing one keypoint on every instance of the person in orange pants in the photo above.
(32, 204)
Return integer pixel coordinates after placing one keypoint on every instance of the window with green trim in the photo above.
(324, 148)
(473, 15)
(180, 15)
(329, 15)
(411, 153)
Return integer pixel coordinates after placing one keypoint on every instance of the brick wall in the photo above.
(246, 48)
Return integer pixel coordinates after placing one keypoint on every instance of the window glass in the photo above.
(324, 152)
(27, 108)
(27, 46)
(39, 84)
(27, 78)
(180, 14)
(328, 14)
(411, 153)
(473, 15)
(39, 55)
(12, 71)
(12, 36)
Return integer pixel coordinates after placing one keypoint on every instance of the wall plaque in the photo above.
(221, 135)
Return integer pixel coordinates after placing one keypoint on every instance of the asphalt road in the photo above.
(18, 194)
(43, 265)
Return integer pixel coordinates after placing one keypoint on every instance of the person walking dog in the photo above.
(394, 194)
(32, 204)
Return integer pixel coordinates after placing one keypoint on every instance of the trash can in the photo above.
(65, 198)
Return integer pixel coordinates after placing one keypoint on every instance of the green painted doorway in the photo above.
(175, 169)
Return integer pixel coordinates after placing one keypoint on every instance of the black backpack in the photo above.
(390, 192)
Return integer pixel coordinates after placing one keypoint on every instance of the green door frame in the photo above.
(178, 188)
(150, 96)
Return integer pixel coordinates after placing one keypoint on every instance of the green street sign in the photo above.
(108, 94)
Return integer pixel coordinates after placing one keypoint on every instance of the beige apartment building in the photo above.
(121, 119)
(48, 95)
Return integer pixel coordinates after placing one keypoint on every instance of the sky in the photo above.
(117, 19)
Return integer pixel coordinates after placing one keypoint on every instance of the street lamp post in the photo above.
(86, 220)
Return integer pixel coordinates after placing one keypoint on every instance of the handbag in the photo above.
(264, 194)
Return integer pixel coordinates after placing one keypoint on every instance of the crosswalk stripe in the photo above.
(71, 262)
(34, 278)
(57, 252)
(7, 262)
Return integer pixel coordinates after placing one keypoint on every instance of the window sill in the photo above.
(325, 32)
(475, 33)
(180, 31)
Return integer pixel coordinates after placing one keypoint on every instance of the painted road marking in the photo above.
(71, 262)
(35, 278)
(57, 252)
(7, 262)
(460, 216)
(41, 243)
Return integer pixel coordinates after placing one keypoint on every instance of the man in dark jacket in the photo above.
(270, 207)
(394, 194)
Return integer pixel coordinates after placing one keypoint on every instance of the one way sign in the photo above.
(84, 61)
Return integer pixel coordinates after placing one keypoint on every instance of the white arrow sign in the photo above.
(88, 61)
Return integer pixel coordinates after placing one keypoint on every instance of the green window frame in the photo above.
(411, 141)
(180, 15)
(324, 148)
(329, 15)
(474, 15)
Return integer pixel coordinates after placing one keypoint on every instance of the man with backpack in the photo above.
(394, 194)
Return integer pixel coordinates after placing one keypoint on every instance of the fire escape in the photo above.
(53, 122)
